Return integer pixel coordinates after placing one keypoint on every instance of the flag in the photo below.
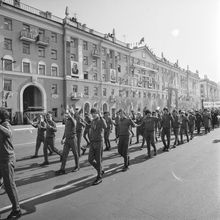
(141, 41)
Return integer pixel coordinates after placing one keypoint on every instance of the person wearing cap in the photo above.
(80, 124)
(51, 129)
(207, 120)
(176, 127)
(184, 127)
(124, 137)
(96, 143)
(69, 141)
(149, 122)
(192, 120)
(107, 131)
(138, 121)
(166, 121)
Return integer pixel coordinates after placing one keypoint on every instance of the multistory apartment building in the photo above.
(50, 64)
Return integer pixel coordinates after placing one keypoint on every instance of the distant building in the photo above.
(49, 64)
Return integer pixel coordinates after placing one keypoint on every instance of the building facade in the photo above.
(49, 64)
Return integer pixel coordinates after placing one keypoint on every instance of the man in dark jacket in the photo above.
(198, 121)
(51, 128)
(124, 137)
(96, 143)
(107, 131)
(69, 141)
(166, 121)
(176, 127)
(192, 120)
(184, 126)
(7, 163)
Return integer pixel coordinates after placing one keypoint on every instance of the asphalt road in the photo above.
(182, 184)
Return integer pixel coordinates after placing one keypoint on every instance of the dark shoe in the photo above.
(106, 149)
(15, 214)
(103, 172)
(97, 181)
(44, 164)
(125, 168)
(128, 160)
(155, 153)
(75, 169)
(137, 142)
(61, 158)
(83, 151)
(60, 172)
(51, 153)
(174, 146)
(35, 156)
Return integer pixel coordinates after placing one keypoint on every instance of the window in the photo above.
(86, 75)
(95, 77)
(54, 54)
(73, 42)
(103, 64)
(26, 48)
(54, 70)
(103, 51)
(85, 60)
(41, 69)
(145, 95)
(86, 90)
(112, 92)
(127, 93)
(85, 45)
(95, 63)
(54, 37)
(111, 53)
(111, 65)
(8, 64)
(75, 88)
(7, 44)
(26, 67)
(95, 91)
(41, 51)
(7, 84)
(41, 32)
(104, 92)
(139, 94)
(26, 27)
(73, 57)
(54, 88)
(133, 94)
(94, 46)
(7, 24)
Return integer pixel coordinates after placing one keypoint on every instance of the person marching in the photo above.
(166, 121)
(69, 141)
(51, 128)
(40, 124)
(7, 163)
(206, 121)
(124, 133)
(107, 131)
(138, 121)
(184, 126)
(192, 120)
(116, 123)
(149, 131)
(198, 121)
(79, 129)
(96, 143)
(176, 127)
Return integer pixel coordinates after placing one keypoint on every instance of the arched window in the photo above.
(26, 66)
(54, 69)
(41, 68)
(8, 63)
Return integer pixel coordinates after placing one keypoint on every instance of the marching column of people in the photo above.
(97, 131)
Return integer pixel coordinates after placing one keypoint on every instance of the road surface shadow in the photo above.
(30, 207)
(216, 141)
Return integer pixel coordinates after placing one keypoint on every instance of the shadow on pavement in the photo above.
(216, 141)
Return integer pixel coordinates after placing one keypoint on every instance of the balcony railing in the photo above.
(42, 40)
(27, 36)
(96, 53)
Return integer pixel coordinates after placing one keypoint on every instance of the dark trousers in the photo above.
(50, 142)
(123, 148)
(79, 139)
(86, 135)
(149, 136)
(191, 131)
(176, 136)
(165, 132)
(198, 127)
(184, 131)
(69, 144)
(106, 138)
(95, 156)
(7, 173)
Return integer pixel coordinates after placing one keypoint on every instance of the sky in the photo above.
(187, 30)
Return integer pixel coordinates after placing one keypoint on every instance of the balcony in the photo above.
(27, 36)
(42, 40)
(76, 96)
(96, 53)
